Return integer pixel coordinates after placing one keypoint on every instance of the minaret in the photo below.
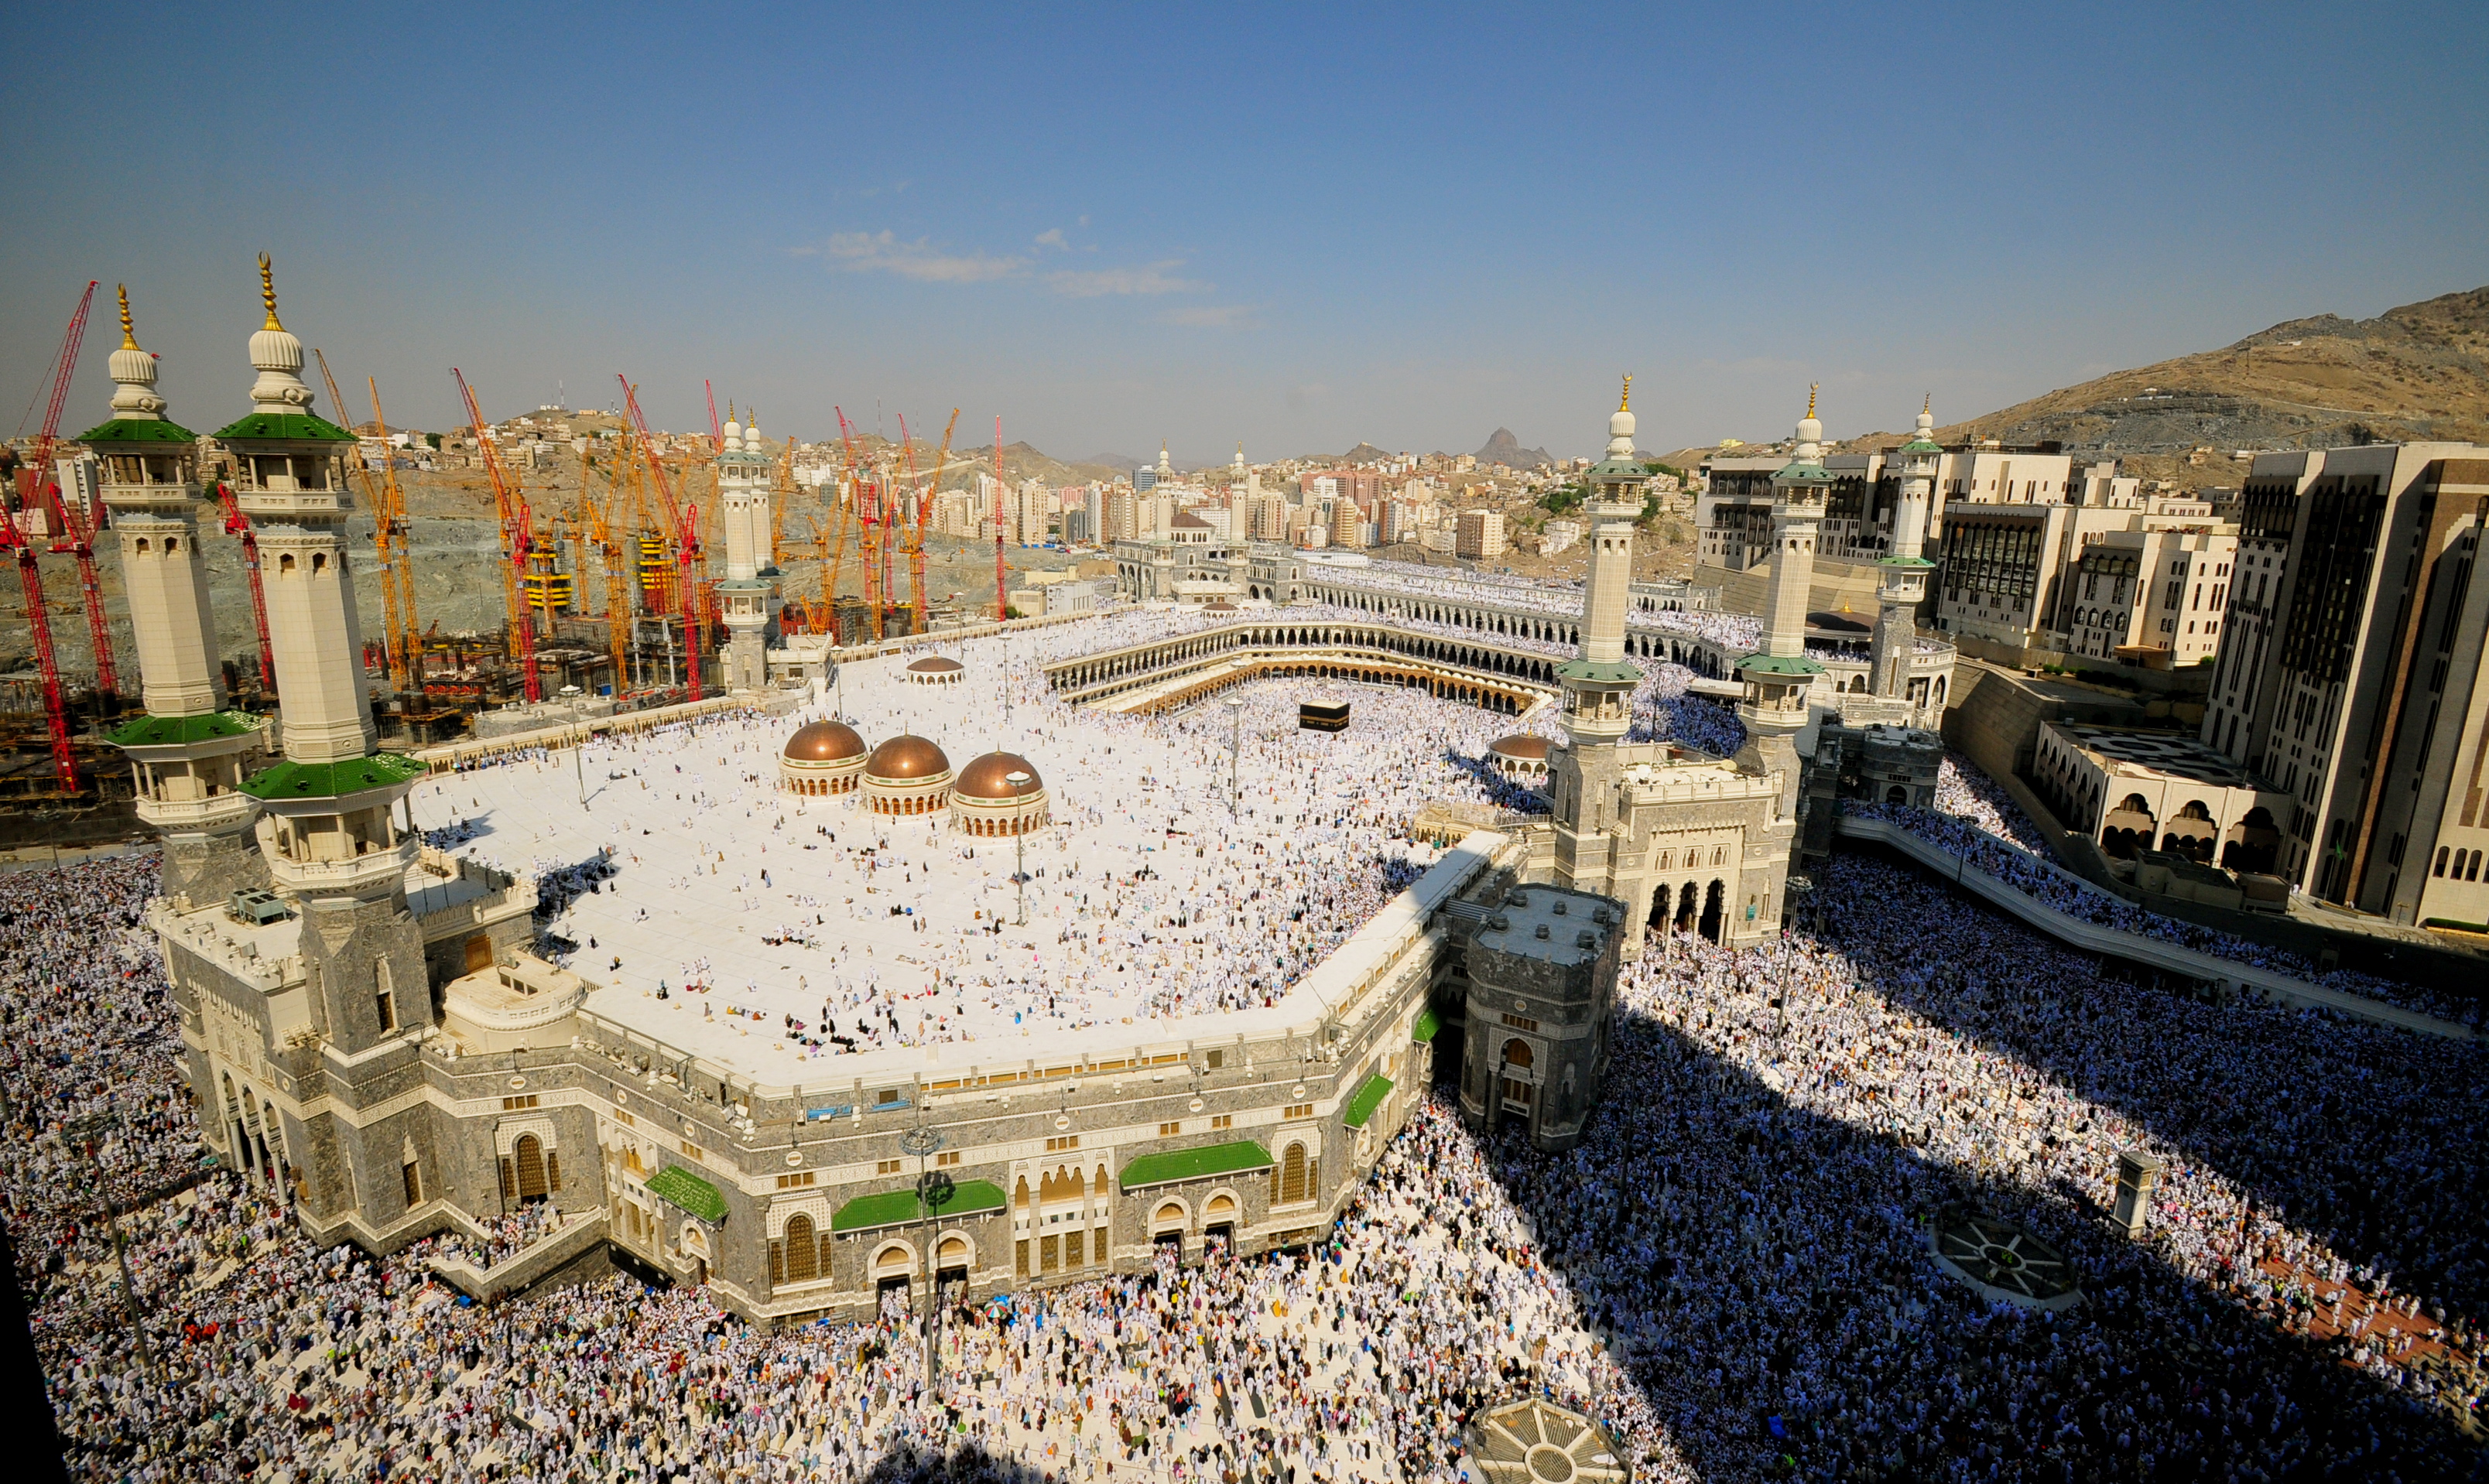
(187, 754)
(1778, 675)
(1599, 684)
(1164, 473)
(746, 599)
(1902, 576)
(335, 848)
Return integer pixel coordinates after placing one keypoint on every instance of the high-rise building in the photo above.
(2351, 671)
(1479, 534)
(747, 600)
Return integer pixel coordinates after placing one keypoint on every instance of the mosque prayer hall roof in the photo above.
(907, 757)
(1523, 745)
(825, 741)
(989, 776)
(934, 664)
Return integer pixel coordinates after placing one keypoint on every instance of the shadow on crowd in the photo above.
(1765, 1269)
(909, 1463)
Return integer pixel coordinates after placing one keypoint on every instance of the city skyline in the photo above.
(1296, 234)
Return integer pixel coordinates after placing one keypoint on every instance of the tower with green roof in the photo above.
(336, 850)
(1901, 574)
(188, 754)
(1598, 684)
(1778, 675)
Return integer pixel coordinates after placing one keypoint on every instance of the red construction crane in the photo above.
(238, 524)
(73, 512)
(1001, 610)
(30, 576)
(867, 505)
(514, 542)
(681, 527)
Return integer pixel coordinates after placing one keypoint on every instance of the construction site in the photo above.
(519, 578)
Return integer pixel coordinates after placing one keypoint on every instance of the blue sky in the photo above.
(1290, 227)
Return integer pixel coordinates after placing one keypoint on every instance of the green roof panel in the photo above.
(1360, 1108)
(138, 430)
(174, 731)
(895, 1208)
(678, 1187)
(1201, 1164)
(1779, 665)
(333, 780)
(1425, 1027)
(301, 427)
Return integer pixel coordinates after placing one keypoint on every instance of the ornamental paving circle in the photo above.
(1532, 1441)
(2003, 1261)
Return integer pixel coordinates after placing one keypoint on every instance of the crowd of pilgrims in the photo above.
(1731, 1271)
(1156, 893)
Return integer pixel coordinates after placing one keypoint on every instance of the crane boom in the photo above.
(392, 648)
(402, 540)
(238, 524)
(523, 625)
(30, 577)
(924, 498)
(74, 515)
(681, 527)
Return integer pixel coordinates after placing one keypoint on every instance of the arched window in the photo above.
(1516, 1052)
(803, 1250)
(1292, 1175)
(531, 1169)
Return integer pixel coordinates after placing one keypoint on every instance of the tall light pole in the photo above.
(1793, 893)
(1235, 755)
(1020, 779)
(933, 1190)
(87, 1130)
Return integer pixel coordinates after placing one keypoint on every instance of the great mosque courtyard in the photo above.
(767, 930)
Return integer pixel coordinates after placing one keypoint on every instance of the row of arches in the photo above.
(1692, 906)
(256, 1138)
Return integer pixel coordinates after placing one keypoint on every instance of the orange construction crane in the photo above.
(617, 590)
(391, 644)
(401, 535)
(682, 527)
(514, 544)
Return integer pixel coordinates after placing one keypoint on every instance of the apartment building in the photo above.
(2351, 673)
(1479, 534)
(2148, 597)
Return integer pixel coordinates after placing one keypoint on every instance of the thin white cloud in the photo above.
(919, 260)
(1052, 237)
(1151, 278)
(1213, 317)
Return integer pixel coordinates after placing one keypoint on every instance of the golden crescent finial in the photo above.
(268, 291)
(1624, 404)
(129, 336)
(1810, 399)
(1929, 406)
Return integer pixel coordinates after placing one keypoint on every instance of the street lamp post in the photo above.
(1019, 779)
(934, 1190)
(1794, 892)
(1235, 755)
(87, 1130)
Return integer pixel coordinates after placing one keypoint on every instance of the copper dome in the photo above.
(824, 742)
(906, 756)
(1522, 745)
(934, 664)
(989, 778)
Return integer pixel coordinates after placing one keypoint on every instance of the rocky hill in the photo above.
(2421, 371)
(1504, 449)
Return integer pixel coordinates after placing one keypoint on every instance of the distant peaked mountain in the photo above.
(1364, 454)
(1504, 449)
